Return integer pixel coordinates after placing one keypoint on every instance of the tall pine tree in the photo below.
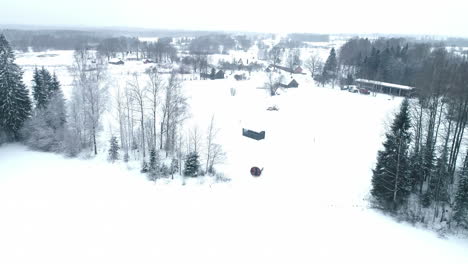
(330, 68)
(15, 104)
(390, 180)
(154, 165)
(46, 129)
(460, 209)
(114, 149)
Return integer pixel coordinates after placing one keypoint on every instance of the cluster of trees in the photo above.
(212, 44)
(160, 51)
(198, 63)
(324, 73)
(393, 60)
(150, 111)
(41, 40)
(15, 103)
(45, 129)
(40, 122)
(236, 65)
(118, 46)
(421, 174)
(243, 42)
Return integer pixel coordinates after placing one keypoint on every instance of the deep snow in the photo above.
(309, 205)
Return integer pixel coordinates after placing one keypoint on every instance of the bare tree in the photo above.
(175, 110)
(154, 88)
(90, 85)
(213, 151)
(119, 104)
(274, 55)
(195, 139)
(294, 58)
(138, 94)
(273, 82)
(313, 64)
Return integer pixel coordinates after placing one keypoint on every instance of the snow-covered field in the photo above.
(309, 205)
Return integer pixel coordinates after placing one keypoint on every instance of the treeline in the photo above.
(219, 44)
(150, 111)
(309, 37)
(393, 60)
(211, 44)
(43, 40)
(160, 51)
(421, 174)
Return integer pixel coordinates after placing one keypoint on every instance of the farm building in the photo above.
(298, 69)
(116, 62)
(292, 84)
(384, 87)
(219, 75)
(213, 75)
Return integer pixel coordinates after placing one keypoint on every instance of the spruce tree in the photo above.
(460, 209)
(38, 89)
(390, 181)
(46, 129)
(329, 70)
(192, 165)
(154, 165)
(45, 86)
(15, 104)
(114, 149)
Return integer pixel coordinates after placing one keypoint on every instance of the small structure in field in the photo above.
(292, 84)
(253, 134)
(298, 69)
(219, 75)
(116, 62)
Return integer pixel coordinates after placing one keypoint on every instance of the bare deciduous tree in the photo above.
(90, 93)
(138, 94)
(175, 110)
(154, 88)
(313, 64)
(273, 82)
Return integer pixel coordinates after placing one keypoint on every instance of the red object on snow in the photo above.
(255, 171)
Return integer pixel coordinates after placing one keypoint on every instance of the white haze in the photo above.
(359, 16)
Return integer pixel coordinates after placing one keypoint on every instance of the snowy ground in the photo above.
(309, 205)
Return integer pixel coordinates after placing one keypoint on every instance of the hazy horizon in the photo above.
(334, 17)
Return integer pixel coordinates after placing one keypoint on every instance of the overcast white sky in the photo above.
(428, 17)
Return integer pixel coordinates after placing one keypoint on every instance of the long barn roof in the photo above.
(392, 85)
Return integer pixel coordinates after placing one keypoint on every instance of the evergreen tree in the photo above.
(460, 209)
(15, 104)
(114, 149)
(46, 129)
(174, 167)
(38, 89)
(390, 180)
(212, 74)
(437, 190)
(192, 165)
(45, 86)
(331, 66)
(144, 167)
(154, 165)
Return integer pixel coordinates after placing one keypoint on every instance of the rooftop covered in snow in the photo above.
(385, 84)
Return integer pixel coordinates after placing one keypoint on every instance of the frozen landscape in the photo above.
(310, 205)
